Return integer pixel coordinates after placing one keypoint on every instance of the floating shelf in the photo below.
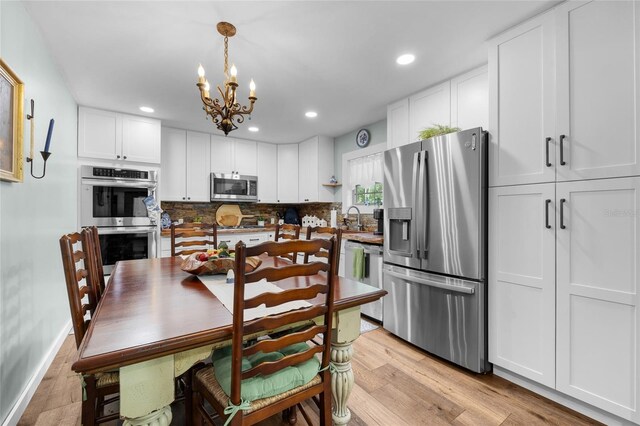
(333, 185)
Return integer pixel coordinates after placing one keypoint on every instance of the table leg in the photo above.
(346, 330)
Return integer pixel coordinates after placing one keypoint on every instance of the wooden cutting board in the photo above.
(230, 215)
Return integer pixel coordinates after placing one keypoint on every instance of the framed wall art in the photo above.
(11, 129)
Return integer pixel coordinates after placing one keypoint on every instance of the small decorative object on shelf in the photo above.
(333, 179)
(47, 145)
(261, 220)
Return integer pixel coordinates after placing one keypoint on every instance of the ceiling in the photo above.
(333, 57)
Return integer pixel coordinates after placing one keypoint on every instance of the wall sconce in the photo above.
(45, 154)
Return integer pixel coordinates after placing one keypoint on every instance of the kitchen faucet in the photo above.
(359, 226)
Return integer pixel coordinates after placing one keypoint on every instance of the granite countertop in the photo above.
(363, 237)
(226, 231)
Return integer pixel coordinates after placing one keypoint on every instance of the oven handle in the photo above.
(120, 183)
(127, 230)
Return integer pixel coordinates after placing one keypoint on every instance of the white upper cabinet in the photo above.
(230, 155)
(522, 104)
(198, 167)
(598, 89)
(462, 102)
(598, 330)
(118, 137)
(267, 172)
(245, 157)
(470, 100)
(429, 107)
(522, 285)
(315, 158)
(287, 173)
(398, 123)
(185, 166)
(173, 179)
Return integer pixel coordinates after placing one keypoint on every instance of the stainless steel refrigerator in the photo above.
(435, 200)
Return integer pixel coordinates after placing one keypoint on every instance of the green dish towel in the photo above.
(358, 263)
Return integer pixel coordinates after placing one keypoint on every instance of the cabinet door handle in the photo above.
(117, 156)
(546, 213)
(562, 162)
(188, 198)
(548, 141)
(125, 157)
(183, 198)
(254, 239)
(562, 201)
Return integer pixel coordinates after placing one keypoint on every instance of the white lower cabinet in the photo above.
(250, 239)
(563, 288)
(522, 280)
(598, 326)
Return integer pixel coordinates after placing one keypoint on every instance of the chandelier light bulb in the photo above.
(234, 70)
(200, 74)
(252, 89)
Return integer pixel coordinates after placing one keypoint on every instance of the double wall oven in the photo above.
(113, 200)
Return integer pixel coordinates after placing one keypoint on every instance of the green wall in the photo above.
(34, 312)
(347, 143)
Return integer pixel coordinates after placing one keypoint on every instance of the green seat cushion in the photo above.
(260, 386)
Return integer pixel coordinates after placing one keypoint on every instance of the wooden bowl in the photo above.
(216, 266)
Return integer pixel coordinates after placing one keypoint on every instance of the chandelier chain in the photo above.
(226, 57)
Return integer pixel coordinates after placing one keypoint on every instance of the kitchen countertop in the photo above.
(226, 231)
(363, 237)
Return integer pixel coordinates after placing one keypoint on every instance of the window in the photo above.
(368, 196)
(363, 183)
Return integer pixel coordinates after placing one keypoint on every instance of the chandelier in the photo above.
(225, 111)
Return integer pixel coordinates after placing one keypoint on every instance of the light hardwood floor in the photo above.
(396, 384)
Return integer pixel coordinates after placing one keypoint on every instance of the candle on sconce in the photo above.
(234, 73)
(33, 129)
(252, 89)
(200, 74)
(49, 132)
(206, 89)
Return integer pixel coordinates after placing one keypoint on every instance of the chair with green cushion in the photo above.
(253, 380)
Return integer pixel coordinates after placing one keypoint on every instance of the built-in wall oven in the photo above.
(113, 200)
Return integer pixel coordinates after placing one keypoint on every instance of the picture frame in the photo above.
(11, 124)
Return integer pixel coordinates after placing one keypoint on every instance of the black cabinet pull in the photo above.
(546, 213)
(125, 157)
(562, 162)
(562, 201)
(548, 141)
(117, 156)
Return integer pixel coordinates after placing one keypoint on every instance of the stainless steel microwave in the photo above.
(234, 187)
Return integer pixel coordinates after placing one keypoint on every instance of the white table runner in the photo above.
(217, 285)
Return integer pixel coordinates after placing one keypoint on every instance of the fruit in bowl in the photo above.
(215, 262)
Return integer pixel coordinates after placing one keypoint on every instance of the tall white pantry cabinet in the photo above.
(564, 231)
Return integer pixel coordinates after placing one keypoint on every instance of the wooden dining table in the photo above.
(155, 321)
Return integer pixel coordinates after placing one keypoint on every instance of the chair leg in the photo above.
(292, 418)
(325, 407)
(89, 405)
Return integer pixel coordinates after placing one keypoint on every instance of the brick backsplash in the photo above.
(188, 211)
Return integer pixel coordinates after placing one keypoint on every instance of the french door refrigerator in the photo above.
(435, 197)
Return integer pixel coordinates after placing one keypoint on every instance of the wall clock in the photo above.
(362, 138)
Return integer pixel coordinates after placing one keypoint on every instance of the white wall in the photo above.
(34, 214)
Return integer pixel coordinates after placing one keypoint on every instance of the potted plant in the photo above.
(436, 130)
(261, 220)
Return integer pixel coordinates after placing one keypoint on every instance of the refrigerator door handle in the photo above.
(466, 289)
(424, 204)
(415, 220)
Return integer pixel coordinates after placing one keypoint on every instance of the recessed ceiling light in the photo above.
(405, 59)
(311, 114)
(146, 109)
(253, 129)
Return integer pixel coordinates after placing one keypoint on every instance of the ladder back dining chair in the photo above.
(326, 230)
(254, 379)
(188, 238)
(81, 290)
(288, 231)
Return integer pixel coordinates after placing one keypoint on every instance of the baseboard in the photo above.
(26, 395)
(562, 399)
